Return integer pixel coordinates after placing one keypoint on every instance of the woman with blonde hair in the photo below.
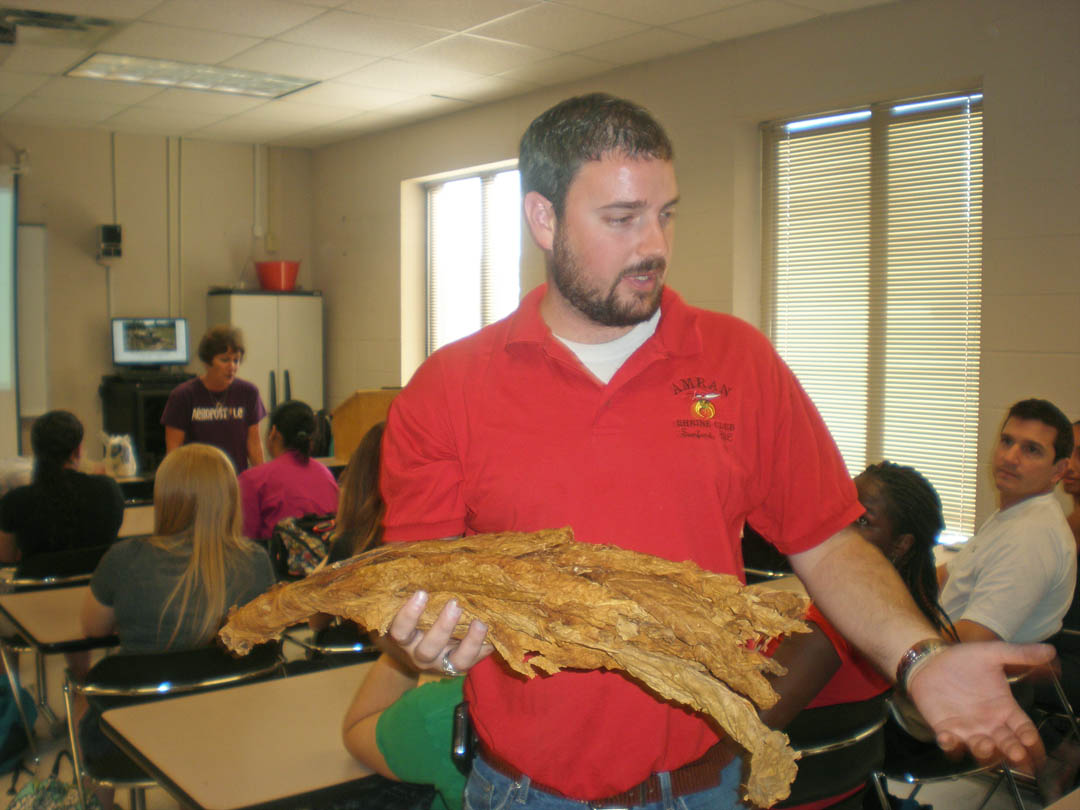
(360, 504)
(170, 591)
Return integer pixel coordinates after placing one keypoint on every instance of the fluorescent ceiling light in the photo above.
(191, 77)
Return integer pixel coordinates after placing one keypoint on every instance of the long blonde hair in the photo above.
(197, 511)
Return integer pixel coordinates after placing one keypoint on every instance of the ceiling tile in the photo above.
(478, 54)
(37, 59)
(643, 46)
(70, 113)
(201, 102)
(351, 96)
(19, 84)
(491, 88)
(7, 102)
(558, 28)
(453, 16)
(109, 9)
(247, 130)
(744, 20)
(303, 61)
(257, 18)
(67, 88)
(565, 67)
(408, 77)
(160, 121)
(360, 33)
(653, 12)
(839, 6)
(179, 44)
(306, 115)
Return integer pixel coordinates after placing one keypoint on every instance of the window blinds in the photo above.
(873, 261)
(474, 246)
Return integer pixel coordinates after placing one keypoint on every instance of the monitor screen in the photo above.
(150, 341)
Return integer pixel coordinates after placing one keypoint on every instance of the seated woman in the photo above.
(293, 484)
(402, 732)
(62, 509)
(361, 507)
(903, 519)
(171, 591)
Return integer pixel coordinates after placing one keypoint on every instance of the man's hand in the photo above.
(430, 651)
(964, 695)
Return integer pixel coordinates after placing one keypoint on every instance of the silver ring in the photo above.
(447, 667)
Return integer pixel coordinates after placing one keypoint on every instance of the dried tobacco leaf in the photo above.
(552, 603)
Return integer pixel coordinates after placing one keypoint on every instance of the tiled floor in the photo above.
(963, 794)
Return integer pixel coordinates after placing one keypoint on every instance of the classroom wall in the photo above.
(187, 211)
(1023, 53)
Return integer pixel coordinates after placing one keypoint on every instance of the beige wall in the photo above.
(1023, 53)
(186, 208)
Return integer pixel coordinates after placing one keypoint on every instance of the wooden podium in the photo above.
(356, 415)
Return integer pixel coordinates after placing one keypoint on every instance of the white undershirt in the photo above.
(604, 359)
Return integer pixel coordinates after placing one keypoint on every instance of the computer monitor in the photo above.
(150, 342)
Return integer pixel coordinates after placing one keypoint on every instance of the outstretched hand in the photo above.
(433, 650)
(964, 695)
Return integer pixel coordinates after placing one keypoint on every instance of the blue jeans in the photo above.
(488, 789)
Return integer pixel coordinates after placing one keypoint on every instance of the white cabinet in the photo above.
(283, 337)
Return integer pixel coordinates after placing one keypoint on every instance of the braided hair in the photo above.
(295, 421)
(914, 508)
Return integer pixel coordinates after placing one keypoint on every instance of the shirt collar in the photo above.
(676, 334)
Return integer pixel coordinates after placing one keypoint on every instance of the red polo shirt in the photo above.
(702, 428)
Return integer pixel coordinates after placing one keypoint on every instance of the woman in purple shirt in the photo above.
(217, 407)
(292, 484)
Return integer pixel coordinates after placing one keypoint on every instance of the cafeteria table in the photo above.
(268, 744)
(1070, 801)
(49, 621)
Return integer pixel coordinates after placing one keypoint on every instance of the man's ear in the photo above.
(540, 216)
(1061, 466)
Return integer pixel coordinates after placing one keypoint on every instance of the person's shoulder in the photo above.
(729, 326)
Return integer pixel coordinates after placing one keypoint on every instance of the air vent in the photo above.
(50, 29)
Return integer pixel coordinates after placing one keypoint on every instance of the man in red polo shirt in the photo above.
(608, 404)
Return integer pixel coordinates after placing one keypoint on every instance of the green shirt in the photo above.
(414, 736)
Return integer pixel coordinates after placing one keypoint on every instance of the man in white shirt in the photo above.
(1014, 580)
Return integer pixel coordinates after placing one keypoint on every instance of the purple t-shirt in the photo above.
(221, 419)
(285, 487)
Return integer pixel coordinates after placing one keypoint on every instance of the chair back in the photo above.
(840, 747)
(171, 673)
(57, 568)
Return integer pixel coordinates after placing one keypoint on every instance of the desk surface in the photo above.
(50, 618)
(247, 746)
(1068, 802)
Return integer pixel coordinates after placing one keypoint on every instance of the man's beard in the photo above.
(604, 309)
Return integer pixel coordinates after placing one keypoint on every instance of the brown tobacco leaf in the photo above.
(689, 635)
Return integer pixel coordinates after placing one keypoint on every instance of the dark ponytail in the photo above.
(295, 421)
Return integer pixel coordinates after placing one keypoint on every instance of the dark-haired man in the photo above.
(608, 404)
(1014, 579)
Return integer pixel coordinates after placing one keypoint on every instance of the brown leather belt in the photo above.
(701, 774)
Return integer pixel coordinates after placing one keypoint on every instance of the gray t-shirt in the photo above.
(135, 578)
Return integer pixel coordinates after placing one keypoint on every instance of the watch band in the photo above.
(915, 658)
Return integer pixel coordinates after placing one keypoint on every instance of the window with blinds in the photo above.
(474, 251)
(873, 231)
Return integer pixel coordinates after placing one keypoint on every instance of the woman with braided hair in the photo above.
(827, 681)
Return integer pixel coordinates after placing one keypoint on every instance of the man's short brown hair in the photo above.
(219, 340)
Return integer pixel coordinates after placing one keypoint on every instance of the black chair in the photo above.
(56, 568)
(762, 561)
(840, 748)
(126, 678)
(339, 644)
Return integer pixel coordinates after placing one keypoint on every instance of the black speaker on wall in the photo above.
(109, 242)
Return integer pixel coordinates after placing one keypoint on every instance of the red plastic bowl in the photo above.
(277, 276)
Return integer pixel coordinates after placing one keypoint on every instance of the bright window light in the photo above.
(115, 67)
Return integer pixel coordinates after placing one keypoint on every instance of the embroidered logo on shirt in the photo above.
(703, 396)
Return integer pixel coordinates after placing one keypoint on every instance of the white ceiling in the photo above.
(378, 63)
